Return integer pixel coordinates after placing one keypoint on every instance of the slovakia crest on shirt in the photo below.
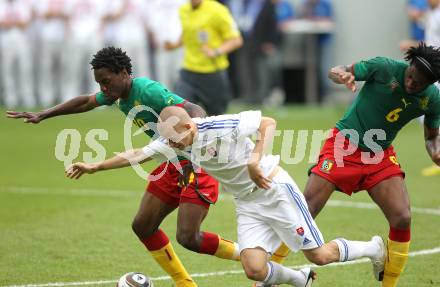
(300, 231)
(212, 152)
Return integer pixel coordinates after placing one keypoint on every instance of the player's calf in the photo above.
(341, 250)
(257, 267)
(325, 254)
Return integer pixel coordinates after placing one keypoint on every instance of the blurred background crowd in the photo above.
(288, 45)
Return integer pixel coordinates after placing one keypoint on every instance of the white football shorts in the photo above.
(265, 218)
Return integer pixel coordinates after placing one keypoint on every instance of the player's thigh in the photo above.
(294, 223)
(190, 217)
(317, 192)
(254, 232)
(151, 212)
(194, 204)
(392, 197)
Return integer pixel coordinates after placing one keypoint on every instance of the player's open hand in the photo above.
(76, 170)
(345, 78)
(29, 117)
(257, 176)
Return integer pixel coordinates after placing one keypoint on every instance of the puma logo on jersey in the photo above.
(405, 102)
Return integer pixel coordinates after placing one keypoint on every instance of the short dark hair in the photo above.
(112, 58)
(426, 59)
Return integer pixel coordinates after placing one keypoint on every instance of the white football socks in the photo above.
(350, 250)
(278, 274)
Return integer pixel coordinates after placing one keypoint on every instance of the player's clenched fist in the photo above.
(76, 170)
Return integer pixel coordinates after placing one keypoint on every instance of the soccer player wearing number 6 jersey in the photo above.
(358, 155)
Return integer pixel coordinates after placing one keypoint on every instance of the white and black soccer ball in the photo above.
(134, 279)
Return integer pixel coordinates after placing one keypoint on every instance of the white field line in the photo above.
(132, 193)
(368, 205)
(219, 273)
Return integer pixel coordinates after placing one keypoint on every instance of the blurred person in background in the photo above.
(284, 13)
(166, 28)
(84, 37)
(425, 24)
(15, 17)
(432, 37)
(257, 22)
(321, 10)
(416, 10)
(126, 25)
(51, 15)
(209, 34)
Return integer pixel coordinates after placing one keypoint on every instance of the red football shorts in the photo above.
(352, 169)
(166, 187)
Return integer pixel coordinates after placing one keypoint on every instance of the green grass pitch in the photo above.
(53, 229)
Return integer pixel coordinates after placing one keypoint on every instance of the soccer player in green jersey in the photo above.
(112, 71)
(359, 156)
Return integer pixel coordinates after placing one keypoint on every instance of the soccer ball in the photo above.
(134, 279)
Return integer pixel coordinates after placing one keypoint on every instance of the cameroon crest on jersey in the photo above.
(327, 165)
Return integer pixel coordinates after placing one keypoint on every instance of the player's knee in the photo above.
(402, 219)
(188, 239)
(312, 205)
(254, 272)
(436, 157)
(142, 228)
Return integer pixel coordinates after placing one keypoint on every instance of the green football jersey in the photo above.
(383, 104)
(148, 93)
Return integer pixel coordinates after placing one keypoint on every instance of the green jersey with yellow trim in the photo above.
(149, 97)
(383, 104)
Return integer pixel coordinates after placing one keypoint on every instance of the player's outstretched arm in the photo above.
(76, 105)
(343, 75)
(432, 143)
(123, 159)
(265, 137)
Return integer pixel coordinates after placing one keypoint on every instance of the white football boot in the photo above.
(379, 261)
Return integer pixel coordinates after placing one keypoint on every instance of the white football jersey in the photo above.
(222, 147)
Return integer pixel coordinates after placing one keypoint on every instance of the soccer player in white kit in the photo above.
(270, 208)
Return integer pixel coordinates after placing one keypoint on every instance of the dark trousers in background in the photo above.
(212, 90)
(253, 74)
